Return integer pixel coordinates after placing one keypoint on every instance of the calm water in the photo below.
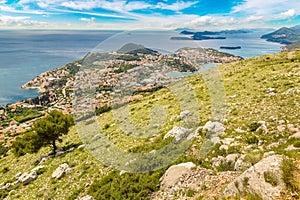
(26, 54)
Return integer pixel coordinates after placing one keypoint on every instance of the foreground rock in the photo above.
(205, 183)
(177, 132)
(255, 180)
(27, 177)
(174, 173)
(61, 170)
(214, 127)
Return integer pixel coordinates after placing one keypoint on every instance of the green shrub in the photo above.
(3, 149)
(254, 126)
(297, 144)
(128, 186)
(289, 171)
(27, 143)
(270, 178)
(252, 139)
(190, 193)
(5, 170)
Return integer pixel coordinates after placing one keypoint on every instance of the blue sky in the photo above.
(148, 14)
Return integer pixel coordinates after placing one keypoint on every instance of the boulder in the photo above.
(295, 136)
(61, 170)
(174, 173)
(227, 141)
(17, 176)
(185, 113)
(87, 197)
(217, 161)
(27, 177)
(231, 157)
(215, 140)
(177, 132)
(81, 147)
(253, 180)
(213, 127)
(241, 165)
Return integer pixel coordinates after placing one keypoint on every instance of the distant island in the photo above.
(205, 35)
(284, 35)
(226, 47)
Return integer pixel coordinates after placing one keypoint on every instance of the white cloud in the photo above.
(269, 9)
(20, 21)
(88, 20)
(288, 14)
(177, 6)
(252, 19)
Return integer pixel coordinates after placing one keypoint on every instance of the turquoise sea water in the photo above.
(26, 54)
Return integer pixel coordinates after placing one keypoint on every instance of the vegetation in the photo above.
(127, 186)
(291, 175)
(271, 178)
(50, 129)
(46, 131)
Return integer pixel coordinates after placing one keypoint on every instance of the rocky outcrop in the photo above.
(213, 127)
(87, 197)
(174, 173)
(61, 170)
(177, 132)
(27, 177)
(255, 180)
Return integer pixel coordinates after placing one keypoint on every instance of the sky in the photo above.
(148, 14)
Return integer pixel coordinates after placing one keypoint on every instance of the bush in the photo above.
(3, 149)
(290, 175)
(254, 126)
(128, 186)
(27, 143)
(270, 178)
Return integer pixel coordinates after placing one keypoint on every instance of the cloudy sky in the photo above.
(147, 14)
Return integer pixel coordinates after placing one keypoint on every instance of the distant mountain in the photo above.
(284, 35)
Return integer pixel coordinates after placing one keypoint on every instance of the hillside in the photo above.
(251, 128)
(284, 35)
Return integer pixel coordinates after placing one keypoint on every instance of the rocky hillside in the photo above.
(245, 144)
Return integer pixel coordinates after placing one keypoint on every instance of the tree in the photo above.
(51, 128)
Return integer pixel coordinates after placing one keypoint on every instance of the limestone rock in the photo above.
(296, 135)
(217, 161)
(240, 164)
(214, 127)
(252, 180)
(87, 197)
(27, 177)
(61, 170)
(231, 157)
(80, 147)
(177, 132)
(185, 114)
(174, 173)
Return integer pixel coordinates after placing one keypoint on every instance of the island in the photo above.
(231, 48)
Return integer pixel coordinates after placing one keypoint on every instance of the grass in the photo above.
(291, 175)
(271, 178)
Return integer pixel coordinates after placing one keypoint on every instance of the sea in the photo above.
(25, 54)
